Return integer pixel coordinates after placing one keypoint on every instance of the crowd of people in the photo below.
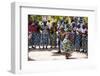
(70, 33)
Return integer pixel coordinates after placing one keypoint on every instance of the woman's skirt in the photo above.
(66, 45)
(36, 38)
(44, 39)
(77, 42)
(84, 43)
(53, 39)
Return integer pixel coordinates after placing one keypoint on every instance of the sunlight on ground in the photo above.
(49, 55)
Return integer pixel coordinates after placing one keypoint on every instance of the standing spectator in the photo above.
(77, 40)
(31, 32)
(49, 27)
(71, 37)
(53, 35)
(62, 35)
(37, 34)
(45, 35)
(84, 38)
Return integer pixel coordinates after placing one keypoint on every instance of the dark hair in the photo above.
(73, 25)
(48, 20)
(53, 23)
(45, 23)
(78, 26)
(72, 20)
(83, 26)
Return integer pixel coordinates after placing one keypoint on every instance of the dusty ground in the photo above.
(39, 55)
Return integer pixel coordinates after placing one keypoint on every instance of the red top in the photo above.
(32, 28)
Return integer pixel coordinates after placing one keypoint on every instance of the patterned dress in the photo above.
(66, 45)
(84, 40)
(77, 41)
(53, 37)
(37, 37)
(45, 35)
(71, 37)
(84, 43)
(31, 30)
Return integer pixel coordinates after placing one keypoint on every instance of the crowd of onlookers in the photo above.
(67, 32)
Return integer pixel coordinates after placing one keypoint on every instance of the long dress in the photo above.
(77, 41)
(72, 39)
(45, 35)
(84, 40)
(66, 45)
(84, 43)
(53, 36)
(31, 30)
(36, 35)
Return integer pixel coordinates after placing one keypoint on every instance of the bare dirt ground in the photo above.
(51, 54)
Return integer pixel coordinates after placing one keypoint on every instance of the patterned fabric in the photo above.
(71, 37)
(33, 38)
(53, 38)
(36, 38)
(44, 38)
(45, 35)
(77, 41)
(66, 45)
(84, 43)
